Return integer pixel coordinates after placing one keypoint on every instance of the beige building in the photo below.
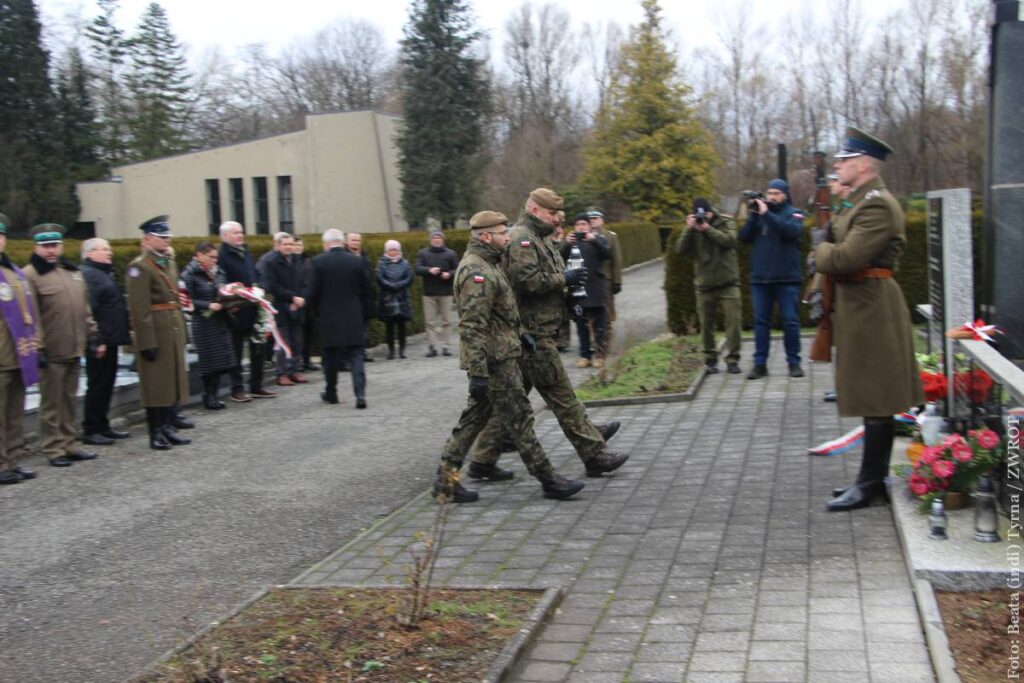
(340, 172)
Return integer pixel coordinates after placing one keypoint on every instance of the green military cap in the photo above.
(858, 142)
(47, 233)
(4, 222)
(595, 212)
(158, 226)
(487, 219)
(547, 199)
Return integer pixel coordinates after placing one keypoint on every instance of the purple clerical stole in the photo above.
(21, 325)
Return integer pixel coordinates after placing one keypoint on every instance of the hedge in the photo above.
(912, 274)
(639, 243)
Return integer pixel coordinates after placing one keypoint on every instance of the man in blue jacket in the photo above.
(774, 227)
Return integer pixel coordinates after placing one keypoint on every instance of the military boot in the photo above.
(155, 420)
(489, 472)
(605, 461)
(558, 487)
(609, 430)
(447, 484)
(169, 431)
(874, 466)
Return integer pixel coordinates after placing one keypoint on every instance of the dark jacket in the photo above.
(775, 235)
(211, 332)
(238, 266)
(595, 253)
(440, 257)
(394, 279)
(714, 254)
(109, 309)
(283, 279)
(339, 295)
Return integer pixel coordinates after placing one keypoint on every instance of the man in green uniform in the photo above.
(491, 341)
(612, 276)
(67, 326)
(159, 329)
(710, 239)
(876, 374)
(19, 361)
(537, 274)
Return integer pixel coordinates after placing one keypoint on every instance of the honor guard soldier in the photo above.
(538, 277)
(67, 328)
(876, 374)
(159, 328)
(491, 342)
(19, 360)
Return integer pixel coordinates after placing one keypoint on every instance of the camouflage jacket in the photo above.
(536, 270)
(488, 319)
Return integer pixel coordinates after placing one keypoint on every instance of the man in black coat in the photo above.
(340, 297)
(282, 277)
(237, 264)
(111, 315)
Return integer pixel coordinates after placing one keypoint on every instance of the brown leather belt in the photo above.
(861, 275)
(165, 307)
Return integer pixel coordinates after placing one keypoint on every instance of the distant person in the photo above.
(590, 326)
(283, 281)
(211, 331)
(612, 270)
(354, 243)
(394, 278)
(308, 322)
(436, 264)
(775, 227)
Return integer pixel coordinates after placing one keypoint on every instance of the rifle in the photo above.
(821, 347)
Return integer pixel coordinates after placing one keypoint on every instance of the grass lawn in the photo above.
(665, 365)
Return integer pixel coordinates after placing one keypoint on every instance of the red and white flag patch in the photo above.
(524, 243)
(478, 278)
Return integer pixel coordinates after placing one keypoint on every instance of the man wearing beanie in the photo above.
(774, 228)
(710, 239)
(436, 264)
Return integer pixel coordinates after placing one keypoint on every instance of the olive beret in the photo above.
(487, 219)
(47, 233)
(547, 199)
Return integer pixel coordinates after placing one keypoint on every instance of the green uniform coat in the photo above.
(714, 254)
(876, 374)
(164, 382)
(536, 270)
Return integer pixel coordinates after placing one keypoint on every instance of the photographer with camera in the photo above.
(591, 325)
(710, 239)
(774, 227)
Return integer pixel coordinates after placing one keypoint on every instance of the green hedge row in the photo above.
(912, 274)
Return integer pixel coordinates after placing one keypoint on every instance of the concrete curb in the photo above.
(935, 632)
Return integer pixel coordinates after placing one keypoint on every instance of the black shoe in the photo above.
(432, 352)
(328, 398)
(733, 368)
(857, 496)
(605, 461)
(609, 430)
(158, 442)
(61, 461)
(179, 422)
(97, 440)
(401, 354)
(367, 359)
(211, 402)
(310, 367)
(711, 368)
(344, 367)
(173, 437)
(796, 371)
(830, 397)
(25, 472)
(757, 372)
(360, 403)
(560, 488)
(456, 493)
(116, 434)
(488, 472)
(10, 477)
(79, 456)
(446, 352)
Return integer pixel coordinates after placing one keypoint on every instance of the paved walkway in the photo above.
(708, 557)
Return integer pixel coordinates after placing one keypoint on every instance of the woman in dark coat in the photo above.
(211, 329)
(394, 277)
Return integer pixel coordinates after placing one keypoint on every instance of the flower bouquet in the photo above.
(952, 466)
(933, 380)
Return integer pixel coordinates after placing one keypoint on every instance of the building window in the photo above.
(213, 205)
(237, 200)
(261, 206)
(284, 203)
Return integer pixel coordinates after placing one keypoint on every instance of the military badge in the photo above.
(6, 293)
(134, 272)
(478, 278)
(524, 243)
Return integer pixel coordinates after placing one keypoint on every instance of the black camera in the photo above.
(752, 194)
(699, 217)
(580, 236)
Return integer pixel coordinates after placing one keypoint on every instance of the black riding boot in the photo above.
(210, 400)
(874, 467)
(169, 432)
(155, 420)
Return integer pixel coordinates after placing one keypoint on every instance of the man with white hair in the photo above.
(282, 278)
(237, 265)
(110, 312)
(339, 295)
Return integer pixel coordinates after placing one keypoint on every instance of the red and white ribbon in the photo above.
(255, 295)
(981, 331)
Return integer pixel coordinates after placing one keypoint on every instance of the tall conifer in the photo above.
(77, 120)
(108, 47)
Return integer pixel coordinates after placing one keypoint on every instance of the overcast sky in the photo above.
(233, 23)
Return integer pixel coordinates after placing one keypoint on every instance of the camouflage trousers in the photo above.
(544, 370)
(506, 405)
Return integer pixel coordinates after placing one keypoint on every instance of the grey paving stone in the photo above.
(604, 661)
(726, 622)
(544, 672)
(596, 677)
(656, 672)
(836, 640)
(621, 625)
(784, 631)
(663, 652)
(904, 673)
(894, 633)
(777, 651)
(712, 677)
(614, 642)
(837, 660)
(722, 642)
(565, 633)
(716, 662)
(669, 633)
(896, 653)
(776, 672)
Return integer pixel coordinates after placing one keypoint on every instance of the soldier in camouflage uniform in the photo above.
(538, 277)
(491, 341)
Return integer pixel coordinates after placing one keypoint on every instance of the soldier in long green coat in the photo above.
(159, 332)
(491, 341)
(876, 374)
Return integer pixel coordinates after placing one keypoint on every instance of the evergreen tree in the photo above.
(109, 47)
(446, 99)
(158, 84)
(649, 151)
(78, 128)
(34, 182)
